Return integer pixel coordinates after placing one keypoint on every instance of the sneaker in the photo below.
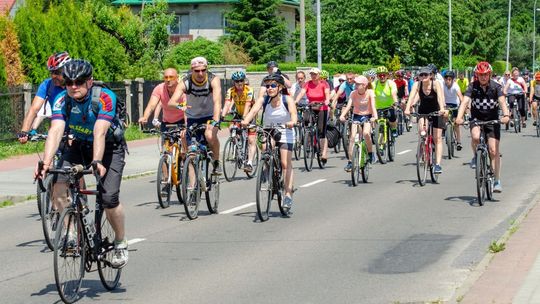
(120, 256)
(348, 167)
(409, 125)
(287, 202)
(248, 168)
(459, 147)
(324, 160)
(511, 124)
(472, 164)
(165, 190)
(524, 125)
(437, 169)
(534, 123)
(497, 186)
(217, 168)
(370, 158)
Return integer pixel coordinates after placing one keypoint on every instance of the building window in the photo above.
(180, 25)
(225, 24)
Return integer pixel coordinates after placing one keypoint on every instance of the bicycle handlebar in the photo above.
(432, 114)
(482, 123)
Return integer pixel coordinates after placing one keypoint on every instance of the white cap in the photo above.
(315, 70)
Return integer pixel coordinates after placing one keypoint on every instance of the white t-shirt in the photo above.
(451, 94)
(279, 115)
(515, 87)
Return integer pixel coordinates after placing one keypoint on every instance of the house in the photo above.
(206, 18)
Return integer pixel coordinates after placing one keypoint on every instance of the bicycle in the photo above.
(483, 173)
(425, 153)
(197, 177)
(360, 159)
(384, 142)
(449, 133)
(402, 119)
(170, 164)
(81, 241)
(269, 174)
(537, 121)
(344, 131)
(312, 144)
(236, 152)
(514, 113)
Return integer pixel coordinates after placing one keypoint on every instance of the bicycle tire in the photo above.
(49, 215)
(421, 162)
(434, 177)
(448, 136)
(254, 163)
(391, 147)
(318, 151)
(480, 174)
(308, 150)
(337, 147)
(408, 126)
(380, 145)
(278, 187)
(191, 188)
(355, 162)
(65, 257)
(516, 119)
(229, 159)
(179, 174)
(401, 121)
(264, 189)
(39, 196)
(108, 275)
(364, 162)
(297, 143)
(345, 138)
(164, 187)
(212, 189)
(538, 125)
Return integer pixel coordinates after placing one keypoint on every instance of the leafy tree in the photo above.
(255, 25)
(182, 53)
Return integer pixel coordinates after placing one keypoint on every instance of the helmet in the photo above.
(57, 60)
(433, 68)
(371, 73)
(238, 75)
(77, 69)
(325, 74)
(483, 67)
(398, 73)
(271, 64)
(382, 70)
(537, 76)
(450, 74)
(275, 77)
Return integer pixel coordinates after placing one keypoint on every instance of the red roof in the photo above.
(6, 5)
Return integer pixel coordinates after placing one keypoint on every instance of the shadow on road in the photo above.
(90, 289)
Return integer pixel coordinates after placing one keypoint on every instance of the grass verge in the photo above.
(6, 204)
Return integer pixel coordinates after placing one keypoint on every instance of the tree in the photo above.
(255, 25)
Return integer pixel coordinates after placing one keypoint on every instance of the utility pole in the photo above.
(319, 48)
(302, 31)
(508, 34)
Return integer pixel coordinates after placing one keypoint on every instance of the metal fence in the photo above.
(15, 102)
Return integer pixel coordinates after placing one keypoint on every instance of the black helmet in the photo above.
(77, 69)
(275, 77)
(433, 68)
(271, 64)
(450, 74)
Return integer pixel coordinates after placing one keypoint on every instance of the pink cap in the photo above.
(198, 61)
(361, 79)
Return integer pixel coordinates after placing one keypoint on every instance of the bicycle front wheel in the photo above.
(229, 159)
(212, 190)
(69, 255)
(434, 177)
(480, 177)
(163, 181)
(308, 150)
(191, 188)
(264, 188)
(49, 214)
(449, 138)
(356, 161)
(421, 162)
(364, 163)
(109, 276)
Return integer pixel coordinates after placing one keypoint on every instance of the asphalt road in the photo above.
(383, 242)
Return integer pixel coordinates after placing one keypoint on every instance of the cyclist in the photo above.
(362, 101)
(343, 92)
(516, 88)
(318, 94)
(278, 108)
(534, 96)
(462, 82)
(371, 75)
(273, 68)
(485, 97)
(203, 103)
(452, 98)
(297, 87)
(241, 96)
(96, 141)
(402, 88)
(430, 93)
(386, 97)
(46, 94)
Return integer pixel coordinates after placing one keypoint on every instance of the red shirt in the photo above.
(315, 92)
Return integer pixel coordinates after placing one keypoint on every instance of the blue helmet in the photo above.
(238, 75)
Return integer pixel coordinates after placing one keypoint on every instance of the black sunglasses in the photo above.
(57, 72)
(238, 81)
(423, 74)
(273, 86)
(78, 82)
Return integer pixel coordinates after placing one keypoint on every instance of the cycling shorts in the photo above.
(492, 131)
(454, 112)
(361, 118)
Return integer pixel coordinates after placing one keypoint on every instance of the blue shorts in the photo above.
(361, 118)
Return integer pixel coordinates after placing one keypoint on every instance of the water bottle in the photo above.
(193, 148)
(89, 226)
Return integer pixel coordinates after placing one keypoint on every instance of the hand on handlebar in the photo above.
(505, 119)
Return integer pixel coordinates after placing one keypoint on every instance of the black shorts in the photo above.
(492, 131)
(389, 113)
(536, 98)
(113, 160)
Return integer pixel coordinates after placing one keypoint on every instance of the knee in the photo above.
(110, 200)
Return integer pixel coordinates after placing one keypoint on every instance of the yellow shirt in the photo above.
(463, 84)
(240, 100)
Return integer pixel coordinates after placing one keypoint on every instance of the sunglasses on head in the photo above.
(169, 78)
(199, 71)
(272, 85)
(78, 82)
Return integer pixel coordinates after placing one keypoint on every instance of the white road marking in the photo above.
(133, 241)
(403, 152)
(313, 183)
(237, 208)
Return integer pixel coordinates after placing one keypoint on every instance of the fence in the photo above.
(15, 102)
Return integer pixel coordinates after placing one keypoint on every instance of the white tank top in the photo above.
(279, 115)
(514, 87)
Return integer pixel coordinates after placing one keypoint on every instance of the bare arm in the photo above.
(100, 132)
(413, 98)
(216, 95)
(346, 110)
(292, 110)
(157, 110)
(336, 96)
(37, 103)
(375, 116)
(174, 102)
(254, 110)
(53, 140)
(152, 103)
(506, 86)
(300, 95)
(462, 108)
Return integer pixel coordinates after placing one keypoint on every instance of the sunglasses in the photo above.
(341, 80)
(273, 85)
(381, 75)
(350, 79)
(78, 82)
(169, 78)
(423, 75)
(506, 74)
(199, 71)
(238, 81)
(57, 72)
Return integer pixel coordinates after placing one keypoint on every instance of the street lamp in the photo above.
(450, 35)
(508, 34)
(534, 35)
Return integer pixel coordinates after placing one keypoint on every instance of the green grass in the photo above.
(14, 148)
(495, 247)
(6, 204)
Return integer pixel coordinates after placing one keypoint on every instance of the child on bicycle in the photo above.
(362, 101)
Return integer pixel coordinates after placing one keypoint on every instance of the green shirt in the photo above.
(463, 84)
(383, 94)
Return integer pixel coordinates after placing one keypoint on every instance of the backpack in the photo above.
(267, 101)
(199, 92)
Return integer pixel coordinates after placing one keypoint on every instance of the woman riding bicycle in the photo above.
(278, 108)
(431, 96)
(318, 93)
(362, 100)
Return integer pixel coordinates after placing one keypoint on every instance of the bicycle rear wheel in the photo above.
(109, 276)
(355, 161)
(308, 150)
(422, 162)
(49, 215)
(69, 255)
(163, 181)
(191, 188)
(264, 188)
(179, 174)
(345, 138)
(229, 159)
(339, 126)
(297, 149)
(517, 122)
(480, 177)
(212, 190)
(364, 163)
(391, 147)
(449, 138)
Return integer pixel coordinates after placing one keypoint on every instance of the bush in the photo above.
(234, 54)
(182, 53)
(332, 68)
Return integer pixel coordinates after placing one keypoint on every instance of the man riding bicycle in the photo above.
(386, 97)
(97, 142)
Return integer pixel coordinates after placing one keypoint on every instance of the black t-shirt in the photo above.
(484, 104)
